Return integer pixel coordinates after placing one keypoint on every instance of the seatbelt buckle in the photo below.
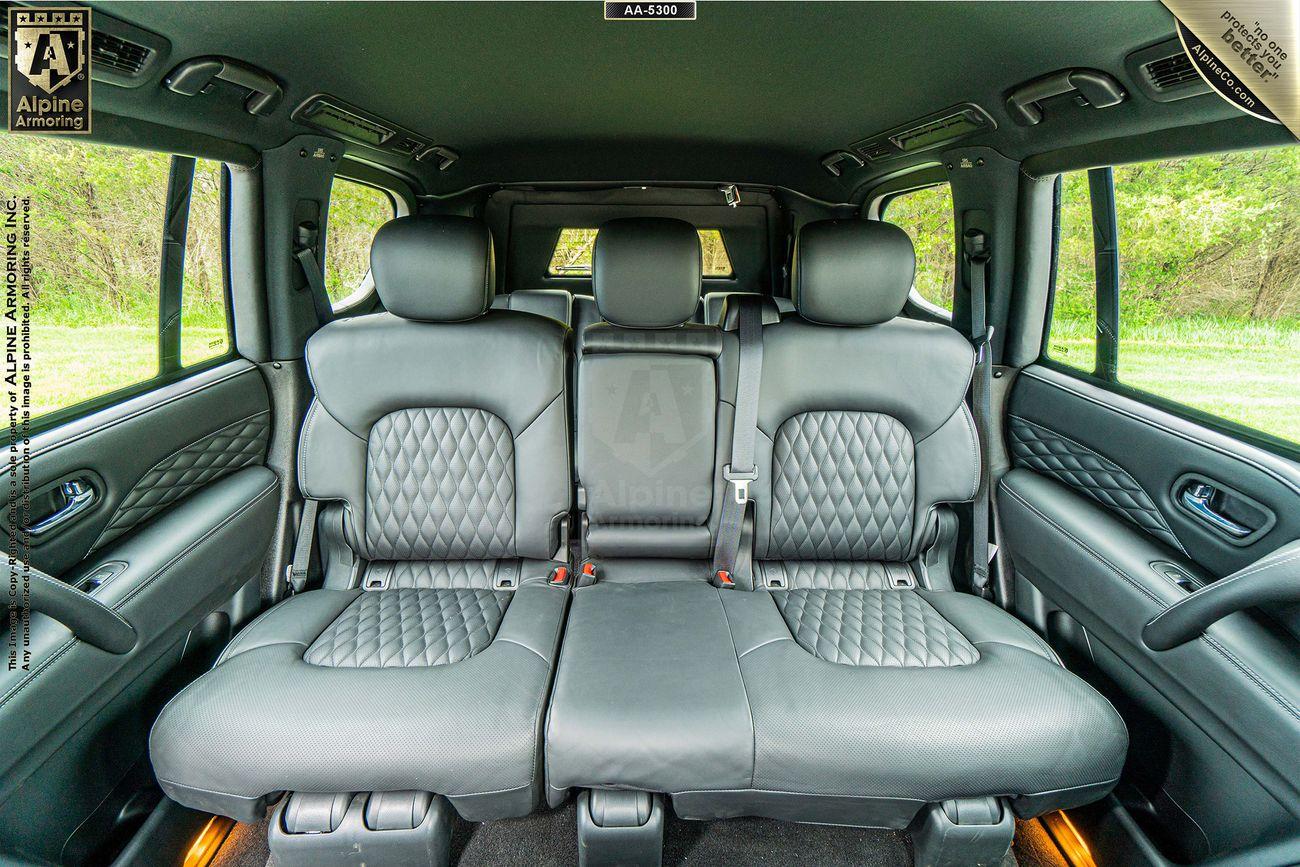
(560, 576)
(740, 483)
(589, 569)
(294, 579)
(724, 579)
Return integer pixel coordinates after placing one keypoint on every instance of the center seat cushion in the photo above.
(442, 428)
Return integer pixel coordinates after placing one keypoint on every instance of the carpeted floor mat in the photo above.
(549, 839)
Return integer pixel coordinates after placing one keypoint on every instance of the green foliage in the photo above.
(926, 215)
(355, 213)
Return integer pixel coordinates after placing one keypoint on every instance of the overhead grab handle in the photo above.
(196, 76)
(1094, 88)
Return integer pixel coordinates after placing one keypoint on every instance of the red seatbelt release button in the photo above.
(589, 569)
(724, 579)
(560, 576)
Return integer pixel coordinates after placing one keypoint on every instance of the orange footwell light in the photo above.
(205, 846)
(1068, 840)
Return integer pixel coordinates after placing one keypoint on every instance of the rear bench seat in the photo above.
(847, 686)
(442, 427)
(840, 681)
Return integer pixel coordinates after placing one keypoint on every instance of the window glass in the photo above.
(572, 254)
(1072, 338)
(204, 330)
(1209, 295)
(1210, 284)
(96, 246)
(356, 213)
(926, 215)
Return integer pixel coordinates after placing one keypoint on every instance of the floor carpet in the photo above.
(549, 839)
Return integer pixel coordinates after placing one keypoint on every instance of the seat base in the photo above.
(620, 829)
(314, 830)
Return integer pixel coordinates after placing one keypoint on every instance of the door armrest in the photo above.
(1274, 578)
(84, 616)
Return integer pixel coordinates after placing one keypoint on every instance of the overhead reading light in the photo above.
(926, 133)
(343, 119)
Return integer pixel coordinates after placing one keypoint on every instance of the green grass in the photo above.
(74, 364)
(1247, 372)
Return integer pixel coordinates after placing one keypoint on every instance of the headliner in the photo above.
(750, 92)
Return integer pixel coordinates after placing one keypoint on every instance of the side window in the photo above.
(205, 331)
(927, 217)
(1208, 290)
(355, 215)
(98, 216)
(1072, 338)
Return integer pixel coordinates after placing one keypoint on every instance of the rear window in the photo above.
(572, 254)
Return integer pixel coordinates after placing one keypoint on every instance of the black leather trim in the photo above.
(434, 269)
(852, 272)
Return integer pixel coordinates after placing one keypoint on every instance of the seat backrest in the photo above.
(864, 428)
(555, 303)
(440, 424)
(647, 408)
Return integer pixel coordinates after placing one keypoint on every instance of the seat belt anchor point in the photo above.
(740, 483)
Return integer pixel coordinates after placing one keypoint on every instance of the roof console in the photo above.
(932, 131)
(342, 119)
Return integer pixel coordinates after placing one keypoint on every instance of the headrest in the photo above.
(434, 269)
(852, 272)
(645, 272)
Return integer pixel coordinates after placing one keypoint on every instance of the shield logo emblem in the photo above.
(50, 55)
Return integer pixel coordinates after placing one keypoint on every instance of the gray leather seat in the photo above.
(442, 428)
(850, 685)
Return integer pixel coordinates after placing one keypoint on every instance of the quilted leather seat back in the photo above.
(446, 441)
(864, 430)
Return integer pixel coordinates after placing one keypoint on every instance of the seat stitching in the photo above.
(765, 644)
(1253, 677)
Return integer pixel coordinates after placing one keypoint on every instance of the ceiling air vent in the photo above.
(116, 53)
(1168, 73)
(1164, 72)
(931, 131)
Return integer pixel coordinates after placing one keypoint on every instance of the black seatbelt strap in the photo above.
(977, 254)
(307, 236)
(742, 469)
(296, 574)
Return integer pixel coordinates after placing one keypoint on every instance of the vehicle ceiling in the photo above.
(748, 93)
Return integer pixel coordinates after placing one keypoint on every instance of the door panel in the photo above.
(182, 518)
(1091, 518)
(1156, 451)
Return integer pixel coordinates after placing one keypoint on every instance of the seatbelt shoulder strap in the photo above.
(320, 301)
(741, 469)
(301, 563)
(975, 243)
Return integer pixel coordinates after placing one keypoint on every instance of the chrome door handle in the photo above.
(1197, 497)
(78, 496)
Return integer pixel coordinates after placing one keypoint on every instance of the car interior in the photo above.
(743, 440)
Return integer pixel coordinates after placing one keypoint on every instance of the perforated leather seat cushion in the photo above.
(438, 690)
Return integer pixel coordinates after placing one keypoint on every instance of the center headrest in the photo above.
(645, 272)
(433, 269)
(852, 272)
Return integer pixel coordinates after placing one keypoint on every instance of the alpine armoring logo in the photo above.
(49, 70)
